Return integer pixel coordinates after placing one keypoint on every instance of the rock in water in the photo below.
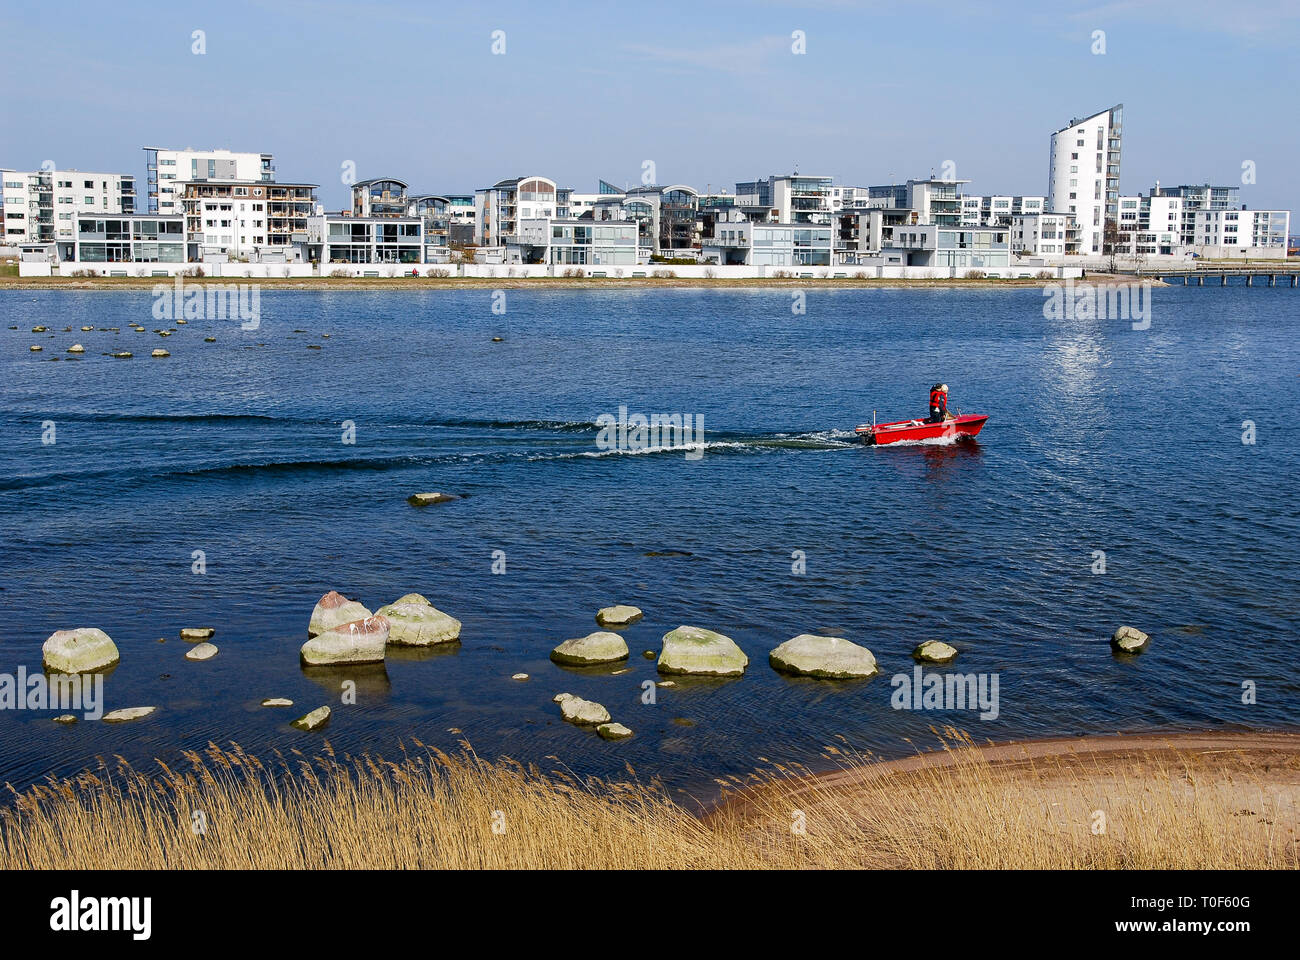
(695, 650)
(361, 641)
(519, 676)
(76, 348)
(598, 647)
(808, 655)
(425, 499)
(66, 718)
(613, 731)
(277, 702)
(1129, 640)
(78, 651)
(314, 720)
(333, 609)
(619, 615)
(417, 623)
(934, 651)
(201, 651)
(195, 634)
(128, 713)
(582, 712)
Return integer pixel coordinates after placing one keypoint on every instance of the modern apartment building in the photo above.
(933, 245)
(1043, 234)
(126, 238)
(167, 170)
(796, 198)
(1225, 233)
(334, 238)
(670, 217)
(42, 206)
(1193, 198)
(934, 201)
(738, 241)
(576, 241)
(1203, 219)
(1083, 175)
(249, 219)
(435, 211)
(501, 206)
(998, 210)
(381, 197)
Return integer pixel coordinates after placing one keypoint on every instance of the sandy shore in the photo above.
(1259, 772)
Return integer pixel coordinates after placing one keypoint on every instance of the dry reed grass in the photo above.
(431, 810)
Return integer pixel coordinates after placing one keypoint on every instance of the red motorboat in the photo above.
(966, 425)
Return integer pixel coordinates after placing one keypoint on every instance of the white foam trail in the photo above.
(929, 442)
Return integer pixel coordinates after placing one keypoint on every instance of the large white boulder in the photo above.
(78, 651)
(809, 655)
(333, 609)
(613, 731)
(361, 641)
(934, 651)
(695, 650)
(599, 647)
(314, 720)
(127, 713)
(414, 622)
(582, 712)
(619, 615)
(1129, 640)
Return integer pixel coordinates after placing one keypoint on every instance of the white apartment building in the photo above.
(1083, 175)
(501, 206)
(124, 238)
(1150, 225)
(736, 240)
(42, 206)
(936, 201)
(246, 220)
(573, 241)
(168, 170)
(998, 210)
(338, 239)
(1227, 233)
(1202, 219)
(796, 197)
(1043, 234)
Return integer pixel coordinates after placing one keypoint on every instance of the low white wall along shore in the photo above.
(301, 271)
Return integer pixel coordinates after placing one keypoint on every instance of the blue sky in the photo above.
(710, 92)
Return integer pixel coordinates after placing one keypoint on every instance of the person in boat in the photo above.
(939, 404)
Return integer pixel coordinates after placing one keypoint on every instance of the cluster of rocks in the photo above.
(588, 713)
(344, 631)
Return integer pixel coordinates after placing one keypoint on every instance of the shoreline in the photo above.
(1274, 754)
(578, 283)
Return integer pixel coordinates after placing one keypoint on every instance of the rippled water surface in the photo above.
(1101, 437)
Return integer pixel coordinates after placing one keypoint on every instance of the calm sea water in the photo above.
(1100, 438)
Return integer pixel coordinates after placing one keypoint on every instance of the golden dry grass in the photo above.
(430, 810)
